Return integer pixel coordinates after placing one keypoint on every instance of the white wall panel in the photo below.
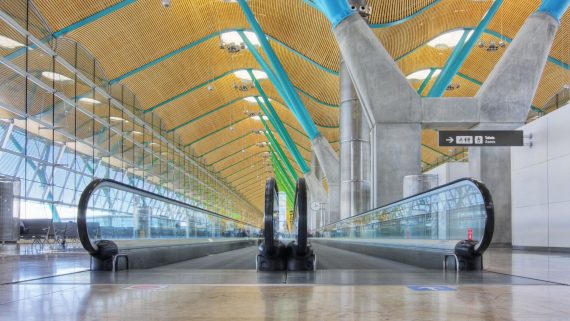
(541, 183)
(559, 179)
(558, 133)
(530, 226)
(525, 156)
(559, 235)
(530, 186)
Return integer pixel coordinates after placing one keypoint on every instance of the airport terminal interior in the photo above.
(285, 160)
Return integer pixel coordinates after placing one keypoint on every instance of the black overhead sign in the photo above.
(465, 138)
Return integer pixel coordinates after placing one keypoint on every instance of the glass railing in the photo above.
(110, 210)
(461, 210)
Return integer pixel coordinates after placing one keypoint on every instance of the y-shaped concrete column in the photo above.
(505, 100)
(354, 141)
(354, 150)
(390, 105)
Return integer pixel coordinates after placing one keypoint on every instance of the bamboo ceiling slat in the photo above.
(234, 147)
(144, 31)
(66, 14)
(225, 135)
(233, 164)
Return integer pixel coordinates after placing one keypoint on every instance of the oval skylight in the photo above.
(422, 74)
(244, 75)
(448, 39)
(56, 77)
(89, 101)
(7, 43)
(253, 100)
(233, 37)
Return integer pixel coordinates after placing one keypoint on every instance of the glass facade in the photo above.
(62, 125)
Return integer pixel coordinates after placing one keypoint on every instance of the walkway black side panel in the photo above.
(300, 256)
(272, 253)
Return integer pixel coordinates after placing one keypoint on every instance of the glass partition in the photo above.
(458, 211)
(111, 210)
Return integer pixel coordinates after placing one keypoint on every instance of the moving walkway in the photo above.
(450, 226)
(148, 230)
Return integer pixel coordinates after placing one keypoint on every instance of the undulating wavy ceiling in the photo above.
(171, 59)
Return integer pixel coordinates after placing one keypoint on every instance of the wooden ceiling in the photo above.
(171, 59)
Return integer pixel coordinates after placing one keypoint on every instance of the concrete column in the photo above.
(505, 100)
(317, 195)
(354, 150)
(396, 153)
(329, 162)
(492, 166)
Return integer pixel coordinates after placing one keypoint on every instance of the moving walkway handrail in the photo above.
(271, 193)
(301, 214)
(96, 184)
(489, 225)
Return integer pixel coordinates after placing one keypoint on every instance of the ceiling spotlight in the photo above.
(166, 3)
(452, 87)
(492, 45)
(244, 86)
(361, 6)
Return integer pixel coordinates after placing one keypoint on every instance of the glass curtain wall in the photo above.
(62, 125)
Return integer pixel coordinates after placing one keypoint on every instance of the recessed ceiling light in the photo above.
(233, 37)
(244, 75)
(89, 101)
(448, 39)
(423, 74)
(7, 43)
(56, 77)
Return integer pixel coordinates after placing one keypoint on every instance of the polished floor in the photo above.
(516, 285)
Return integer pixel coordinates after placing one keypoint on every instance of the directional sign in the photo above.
(466, 138)
(430, 288)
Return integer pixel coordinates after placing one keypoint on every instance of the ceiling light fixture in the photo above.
(492, 46)
(233, 43)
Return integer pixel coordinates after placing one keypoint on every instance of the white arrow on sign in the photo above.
(450, 140)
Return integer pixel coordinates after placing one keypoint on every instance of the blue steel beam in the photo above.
(268, 109)
(206, 38)
(274, 144)
(427, 80)
(452, 67)
(335, 10)
(225, 74)
(555, 8)
(92, 18)
(297, 105)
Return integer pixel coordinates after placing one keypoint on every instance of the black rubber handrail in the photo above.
(96, 184)
(270, 194)
(301, 213)
(485, 240)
